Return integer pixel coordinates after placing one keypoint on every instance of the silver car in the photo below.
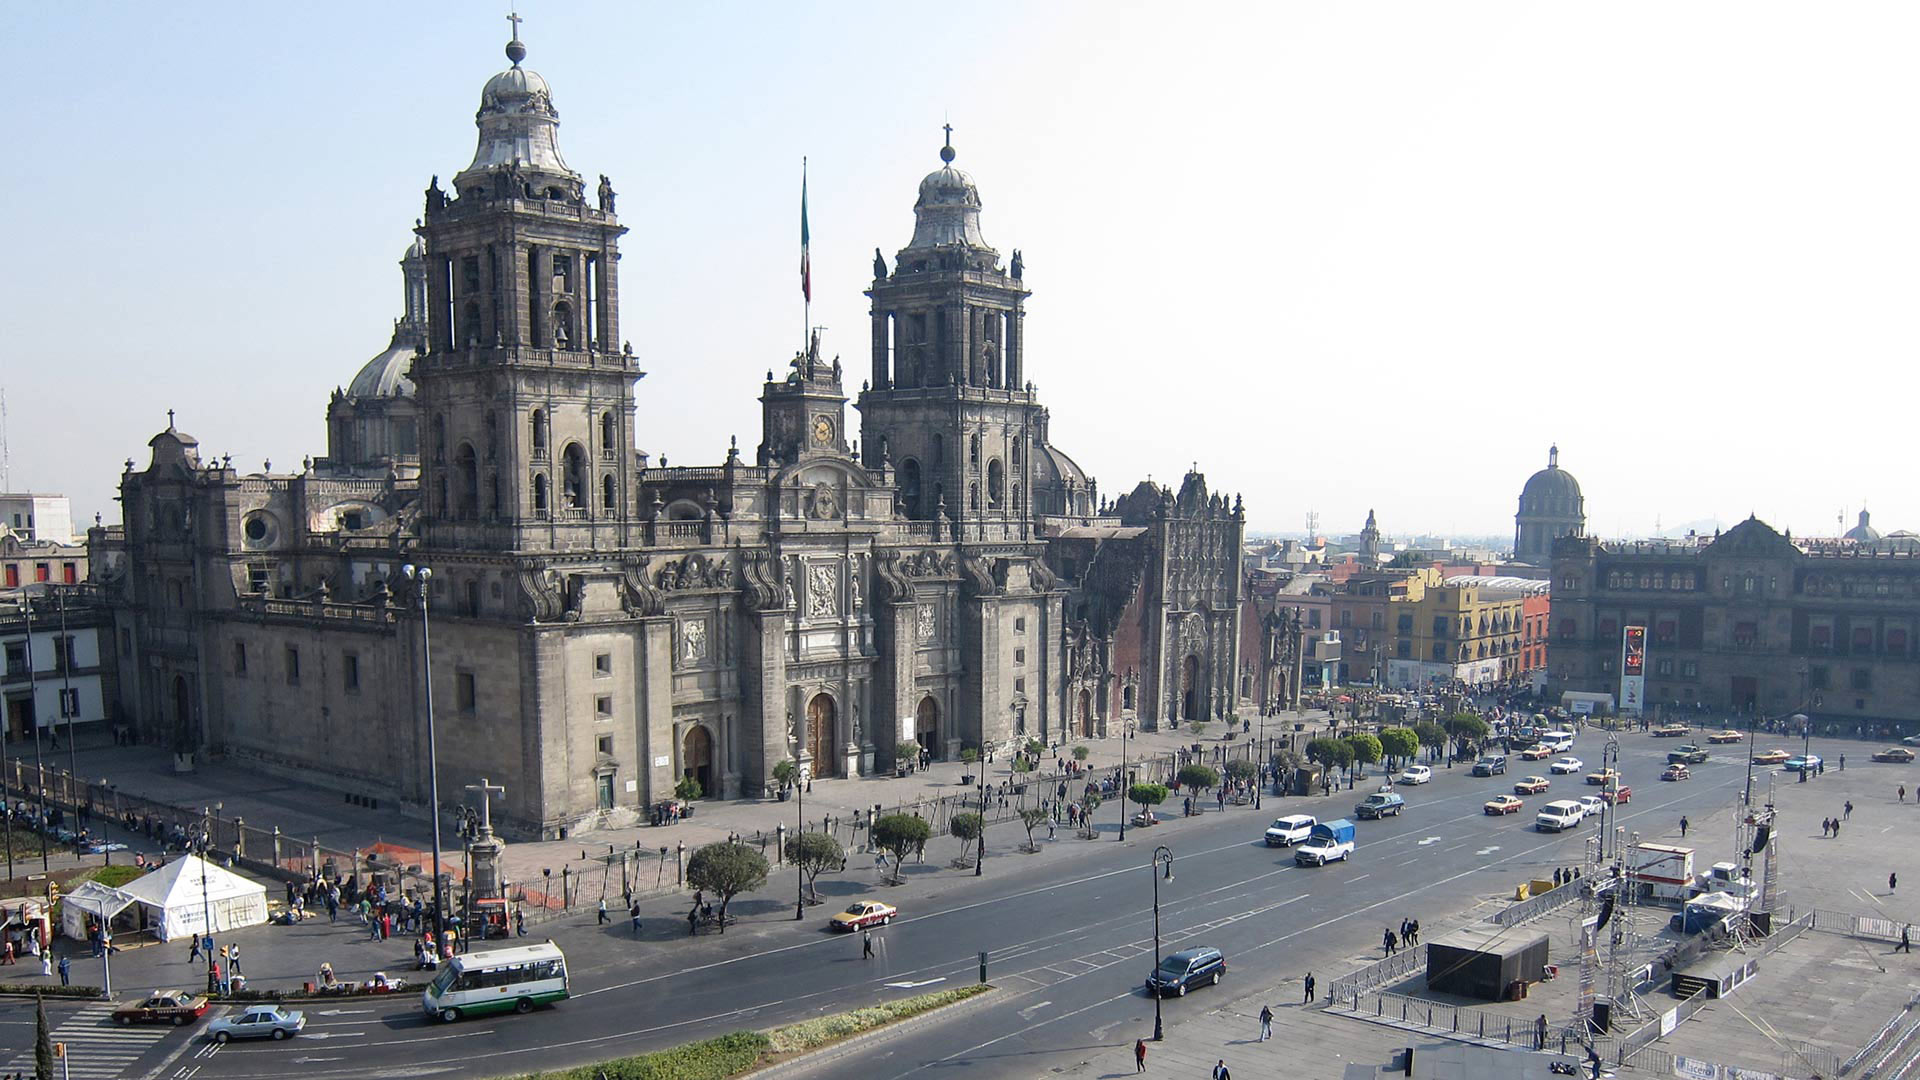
(258, 1022)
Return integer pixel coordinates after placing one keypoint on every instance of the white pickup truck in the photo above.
(1290, 830)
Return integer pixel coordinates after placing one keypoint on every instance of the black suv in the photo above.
(1189, 967)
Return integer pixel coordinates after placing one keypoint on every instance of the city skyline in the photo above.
(1329, 211)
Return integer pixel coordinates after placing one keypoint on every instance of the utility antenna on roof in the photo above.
(6, 455)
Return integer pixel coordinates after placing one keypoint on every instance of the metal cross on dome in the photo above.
(516, 20)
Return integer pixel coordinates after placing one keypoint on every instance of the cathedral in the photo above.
(597, 627)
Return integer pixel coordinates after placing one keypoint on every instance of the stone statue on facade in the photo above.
(1019, 264)
(606, 194)
(879, 266)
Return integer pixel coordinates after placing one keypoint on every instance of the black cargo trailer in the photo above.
(1485, 962)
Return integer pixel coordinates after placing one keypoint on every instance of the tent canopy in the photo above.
(182, 896)
(102, 902)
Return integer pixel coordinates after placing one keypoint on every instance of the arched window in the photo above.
(1016, 453)
(606, 434)
(606, 493)
(468, 467)
(540, 494)
(563, 325)
(910, 488)
(1017, 506)
(973, 496)
(1126, 697)
(973, 451)
(573, 477)
(538, 425)
(470, 323)
(996, 485)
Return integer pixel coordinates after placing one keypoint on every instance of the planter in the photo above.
(966, 779)
(783, 794)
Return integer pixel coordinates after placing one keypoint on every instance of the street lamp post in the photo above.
(1161, 854)
(981, 840)
(71, 707)
(206, 904)
(1126, 732)
(33, 707)
(421, 576)
(799, 831)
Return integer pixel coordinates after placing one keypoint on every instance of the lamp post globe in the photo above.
(1162, 856)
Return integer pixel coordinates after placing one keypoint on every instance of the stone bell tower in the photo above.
(948, 401)
(526, 394)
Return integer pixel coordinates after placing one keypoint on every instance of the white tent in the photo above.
(181, 897)
(94, 901)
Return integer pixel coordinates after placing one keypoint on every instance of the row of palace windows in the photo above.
(1835, 585)
(1681, 581)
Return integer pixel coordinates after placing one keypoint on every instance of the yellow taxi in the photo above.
(864, 913)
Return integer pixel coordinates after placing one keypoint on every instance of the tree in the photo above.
(1022, 763)
(907, 750)
(969, 755)
(1199, 728)
(1242, 770)
(785, 772)
(727, 869)
(1366, 748)
(966, 828)
(1467, 730)
(1399, 743)
(1330, 752)
(1197, 776)
(1147, 796)
(1080, 753)
(1032, 819)
(899, 834)
(814, 853)
(687, 789)
(42, 1041)
(1036, 747)
(1431, 735)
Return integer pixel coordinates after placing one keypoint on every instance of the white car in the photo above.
(1415, 774)
(1592, 805)
(1568, 764)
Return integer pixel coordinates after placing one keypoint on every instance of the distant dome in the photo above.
(1552, 482)
(1863, 532)
(384, 375)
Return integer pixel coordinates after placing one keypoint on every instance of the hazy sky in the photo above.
(1343, 256)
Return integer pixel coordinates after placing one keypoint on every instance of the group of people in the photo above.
(1408, 935)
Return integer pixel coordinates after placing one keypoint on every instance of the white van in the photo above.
(1559, 815)
(1559, 740)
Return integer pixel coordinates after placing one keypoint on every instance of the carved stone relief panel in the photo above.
(823, 590)
(693, 642)
(925, 626)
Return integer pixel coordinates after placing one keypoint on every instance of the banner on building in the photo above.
(1633, 670)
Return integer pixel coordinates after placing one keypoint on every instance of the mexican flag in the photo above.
(806, 263)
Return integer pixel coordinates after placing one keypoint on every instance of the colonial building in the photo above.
(1752, 620)
(602, 627)
(1551, 507)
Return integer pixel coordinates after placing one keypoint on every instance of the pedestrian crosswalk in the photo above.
(97, 1048)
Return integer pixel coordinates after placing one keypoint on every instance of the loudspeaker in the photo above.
(1602, 1015)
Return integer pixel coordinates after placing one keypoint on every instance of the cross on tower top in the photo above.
(514, 18)
(946, 152)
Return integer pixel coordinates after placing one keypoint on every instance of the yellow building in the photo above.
(1465, 628)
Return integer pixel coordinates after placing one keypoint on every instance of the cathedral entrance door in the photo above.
(1744, 694)
(926, 726)
(1086, 714)
(1190, 689)
(696, 758)
(820, 717)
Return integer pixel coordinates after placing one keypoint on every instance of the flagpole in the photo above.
(806, 265)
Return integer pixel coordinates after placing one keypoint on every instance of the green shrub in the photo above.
(1080, 753)
(116, 875)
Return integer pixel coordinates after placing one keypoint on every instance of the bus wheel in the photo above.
(523, 1006)
(449, 1015)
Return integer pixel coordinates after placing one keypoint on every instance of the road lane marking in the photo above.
(1027, 1013)
(911, 985)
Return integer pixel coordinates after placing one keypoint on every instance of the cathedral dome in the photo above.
(1863, 532)
(512, 86)
(1551, 483)
(384, 375)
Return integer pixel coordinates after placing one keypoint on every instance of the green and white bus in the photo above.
(489, 982)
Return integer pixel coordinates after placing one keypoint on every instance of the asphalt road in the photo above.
(1070, 934)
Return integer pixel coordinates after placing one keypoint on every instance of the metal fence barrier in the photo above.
(1535, 906)
(1386, 972)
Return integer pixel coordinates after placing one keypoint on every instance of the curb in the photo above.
(848, 1045)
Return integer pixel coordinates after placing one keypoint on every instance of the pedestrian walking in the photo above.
(1139, 1055)
(1843, 763)
(1903, 793)
(633, 915)
(193, 950)
(1387, 941)
(1220, 1071)
(866, 944)
(66, 966)
(1416, 931)
(1266, 1014)
(233, 954)
(602, 912)
(1309, 986)
(1836, 828)
(1846, 812)
(1892, 880)
(1906, 946)
(1683, 827)
(520, 923)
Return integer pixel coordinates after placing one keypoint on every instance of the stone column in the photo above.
(763, 721)
(654, 694)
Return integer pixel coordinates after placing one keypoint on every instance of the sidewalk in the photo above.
(308, 816)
